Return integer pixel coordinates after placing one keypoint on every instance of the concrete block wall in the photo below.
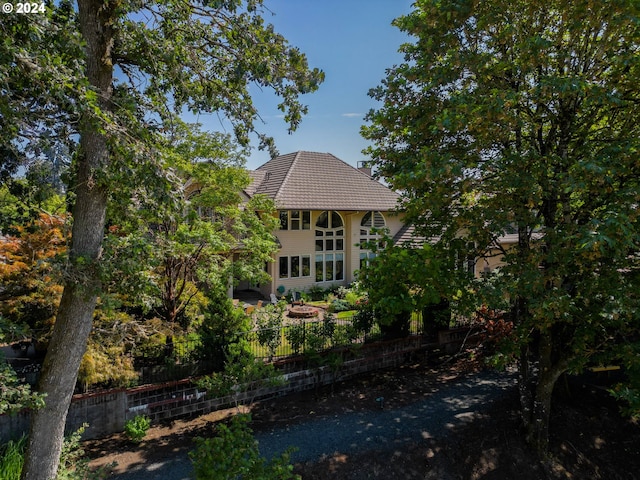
(107, 412)
(104, 411)
(12, 427)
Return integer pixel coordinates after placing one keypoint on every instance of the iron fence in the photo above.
(184, 357)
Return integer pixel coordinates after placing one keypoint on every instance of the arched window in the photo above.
(329, 247)
(369, 226)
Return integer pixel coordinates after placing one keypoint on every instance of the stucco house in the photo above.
(326, 209)
(487, 260)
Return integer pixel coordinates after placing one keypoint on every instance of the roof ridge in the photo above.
(288, 174)
(352, 167)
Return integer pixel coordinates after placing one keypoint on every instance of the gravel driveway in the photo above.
(359, 432)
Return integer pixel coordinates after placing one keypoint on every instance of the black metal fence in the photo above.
(183, 357)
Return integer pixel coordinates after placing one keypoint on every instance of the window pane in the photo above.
(378, 221)
(295, 224)
(366, 220)
(319, 269)
(340, 233)
(306, 266)
(339, 244)
(284, 220)
(295, 267)
(329, 267)
(329, 245)
(323, 220)
(306, 220)
(328, 234)
(284, 267)
(295, 214)
(363, 260)
(336, 220)
(339, 268)
(318, 233)
(319, 244)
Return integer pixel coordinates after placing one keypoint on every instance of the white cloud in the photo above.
(359, 115)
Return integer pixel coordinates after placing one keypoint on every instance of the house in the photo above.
(477, 262)
(327, 208)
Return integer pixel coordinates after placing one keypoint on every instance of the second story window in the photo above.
(295, 219)
(371, 222)
(329, 233)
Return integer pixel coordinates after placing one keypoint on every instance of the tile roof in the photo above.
(320, 181)
(406, 237)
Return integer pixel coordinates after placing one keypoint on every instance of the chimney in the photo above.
(364, 167)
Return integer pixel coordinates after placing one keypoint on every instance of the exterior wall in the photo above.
(295, 242)
(302, 242)
(493, 260)
(393, 223)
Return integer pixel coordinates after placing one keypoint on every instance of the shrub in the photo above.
(222, 330)
(73, 464)
(269, 323)
(242, 374)
(341, 292)
(317, 293)
(106, 365)
(136, 428)
(363, 321)
(295, 335)
(352, 298)
(15, 395)
(340, 305)
(234, 454)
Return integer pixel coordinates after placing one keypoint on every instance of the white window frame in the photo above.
(292, 218)
(329, 247)
(289, 262)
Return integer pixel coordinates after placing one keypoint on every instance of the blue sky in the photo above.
(353, 42)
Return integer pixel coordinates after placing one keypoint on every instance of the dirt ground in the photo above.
(589, 438)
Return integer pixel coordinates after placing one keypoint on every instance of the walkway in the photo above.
(358, 432)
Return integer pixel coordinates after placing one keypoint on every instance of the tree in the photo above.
(119, 72)
(523, 118)
(400, 281)
(234, 453)
(31, 283)
(206, 236)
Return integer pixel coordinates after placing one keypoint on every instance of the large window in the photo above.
(329, 232)
(295, 266)
(369, 227)
(295, 220)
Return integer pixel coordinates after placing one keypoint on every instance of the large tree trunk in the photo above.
(536, 393)
(75, 313)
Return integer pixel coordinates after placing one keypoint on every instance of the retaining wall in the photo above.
(106, 412)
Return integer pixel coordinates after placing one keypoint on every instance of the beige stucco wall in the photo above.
(492, 260)
(302, 242)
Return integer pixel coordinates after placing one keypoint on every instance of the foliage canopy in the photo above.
(521, 120)
(110, 85)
